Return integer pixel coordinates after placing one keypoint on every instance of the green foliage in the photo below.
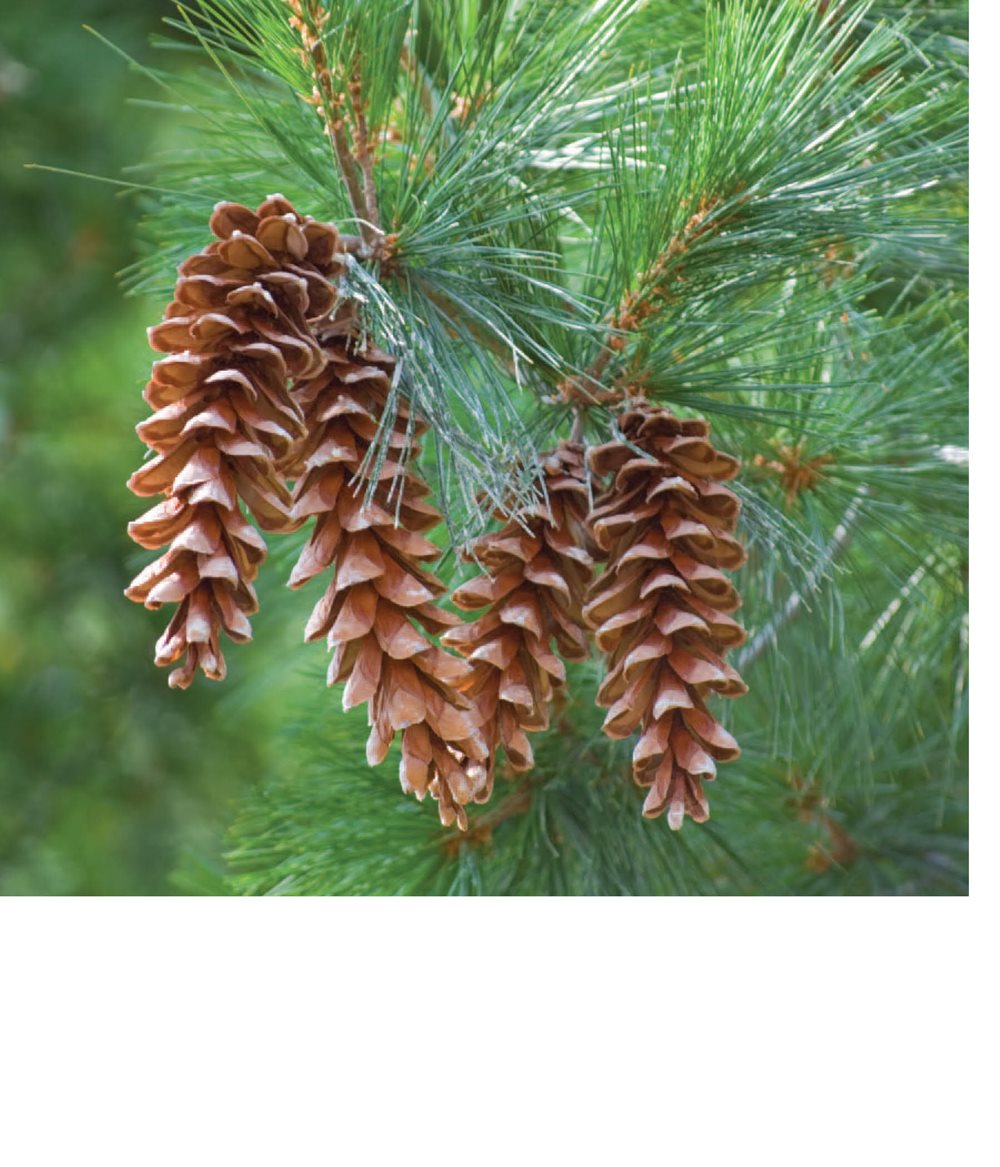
(784, 183)
(811, 175)
(838, 791)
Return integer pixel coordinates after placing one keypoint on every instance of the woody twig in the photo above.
(352, 153)
(646, 299)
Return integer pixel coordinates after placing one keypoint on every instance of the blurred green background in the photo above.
(106, 776)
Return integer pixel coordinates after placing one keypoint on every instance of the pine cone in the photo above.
(379, 608)
(237, 330)
(537, 571)
(660, 608)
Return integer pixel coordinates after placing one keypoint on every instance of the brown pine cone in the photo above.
(237, 330)
(378, 611)
(660, 607)
(537, 569)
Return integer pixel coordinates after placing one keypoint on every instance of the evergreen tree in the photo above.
(566, 239)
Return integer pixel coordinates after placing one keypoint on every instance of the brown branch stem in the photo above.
(366, 159)
(636, 306)
(307, 19)
(481, 827)
(348, 169)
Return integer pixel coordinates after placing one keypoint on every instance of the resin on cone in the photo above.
(379, 612)
(536, 572)
(238, 330)
(661, 609)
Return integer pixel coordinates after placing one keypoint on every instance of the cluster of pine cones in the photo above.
(268, 380)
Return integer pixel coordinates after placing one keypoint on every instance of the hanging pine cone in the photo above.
(660, 607)
(237, 330)
(379, 608)
(537, 569)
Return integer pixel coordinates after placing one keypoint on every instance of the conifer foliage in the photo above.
(553, 247)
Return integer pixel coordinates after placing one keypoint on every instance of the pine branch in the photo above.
(770, 235)
(639, 305)
(798, 601)
(308, 18)
(365, 156)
